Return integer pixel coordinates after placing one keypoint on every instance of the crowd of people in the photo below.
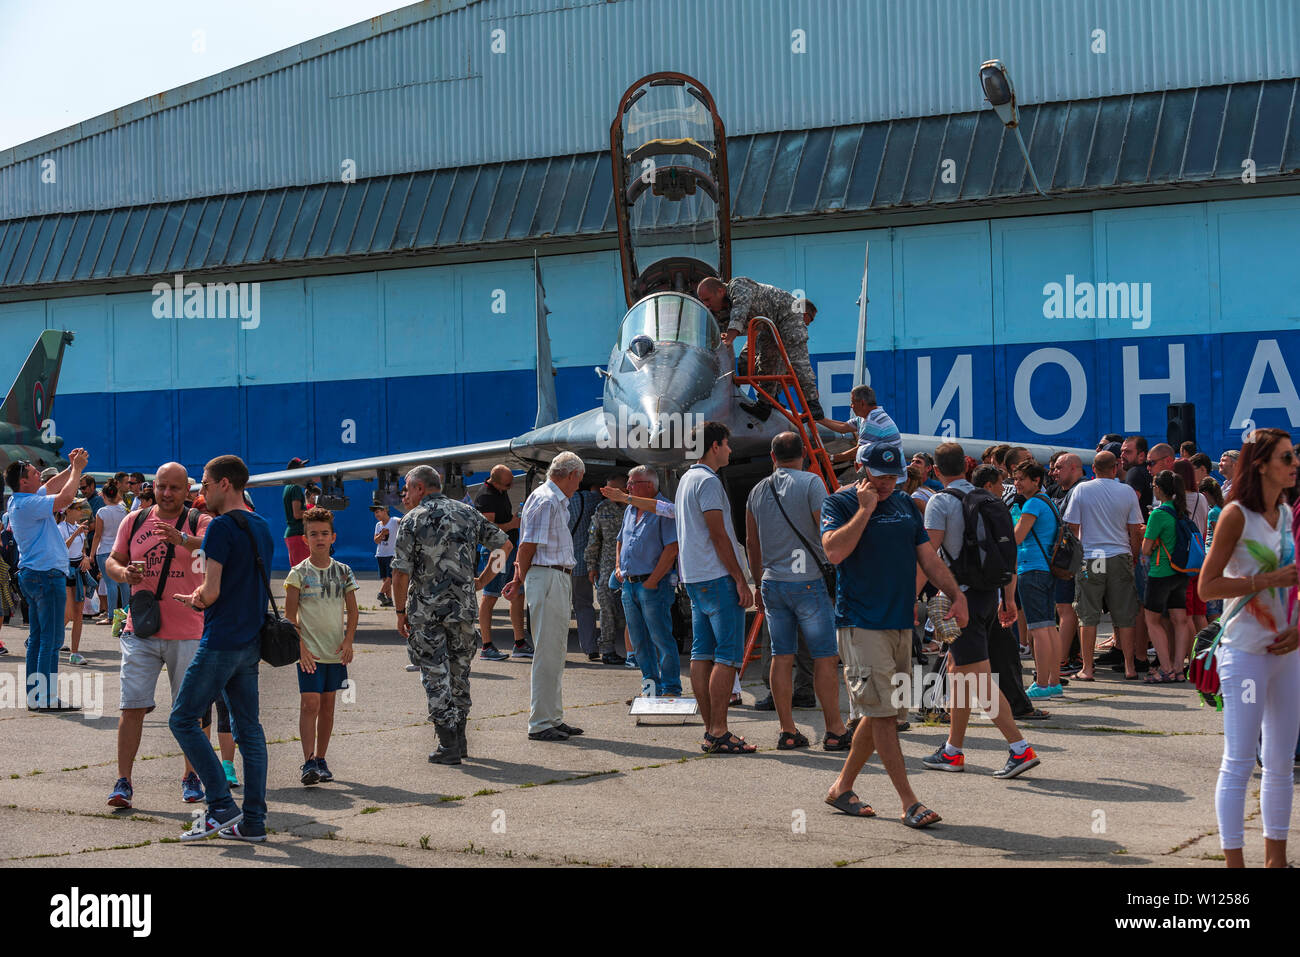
(982, 568)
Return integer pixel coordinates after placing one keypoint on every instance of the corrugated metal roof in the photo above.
(1181, 136)
(424, 88)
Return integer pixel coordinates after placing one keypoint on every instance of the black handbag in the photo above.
(146, 606)
(827, 569)
(279, 636)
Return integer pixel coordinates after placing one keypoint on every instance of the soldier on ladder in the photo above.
(738, 301)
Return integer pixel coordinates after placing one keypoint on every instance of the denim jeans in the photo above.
(46, 593)
(234, 672)
(717, 622)
(650, 626)
(794, 607)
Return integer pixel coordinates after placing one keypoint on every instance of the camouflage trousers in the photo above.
(443, 652)
(612, 619)
(768, 362)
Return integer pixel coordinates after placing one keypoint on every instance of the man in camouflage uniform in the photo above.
(602, 549)
(433, 588)
(736, 302)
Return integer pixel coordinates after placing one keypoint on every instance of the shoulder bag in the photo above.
(146, 613)
(279, 636)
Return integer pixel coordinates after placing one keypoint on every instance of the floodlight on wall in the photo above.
(1001, 95)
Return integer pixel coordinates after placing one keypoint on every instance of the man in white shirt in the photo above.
(1106, 517)
(543, 570)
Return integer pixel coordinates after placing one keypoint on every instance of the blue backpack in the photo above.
(1189, 550)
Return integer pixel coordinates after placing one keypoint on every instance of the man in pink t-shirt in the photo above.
(139, 554)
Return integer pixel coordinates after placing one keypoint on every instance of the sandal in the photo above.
(1038, 714)
(919, 816)
(1157, 677)
(838, 742)
(789, 740)
(852, 805)
(728, 744)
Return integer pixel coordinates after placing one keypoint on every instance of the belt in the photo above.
(637, 578)
(567, 569)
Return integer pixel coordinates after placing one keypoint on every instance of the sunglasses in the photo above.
(1288, 458)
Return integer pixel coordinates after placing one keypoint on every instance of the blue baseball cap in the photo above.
(881, 458)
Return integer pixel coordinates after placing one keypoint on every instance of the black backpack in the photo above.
(987, 560)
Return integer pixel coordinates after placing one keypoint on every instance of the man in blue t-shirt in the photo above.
(872, 532)
(236, 553)
(42, 569)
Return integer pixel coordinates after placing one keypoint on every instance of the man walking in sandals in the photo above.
(873, 532)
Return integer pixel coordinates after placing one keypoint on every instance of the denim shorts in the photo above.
(325, 679)
(501, 579)
(718, 622)
(385, 563)
(1037, 593)
(1065, 591)
(793, 607)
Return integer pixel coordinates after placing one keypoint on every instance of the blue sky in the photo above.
(64, 61)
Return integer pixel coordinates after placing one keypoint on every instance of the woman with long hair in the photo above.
(1166, 586)
(74, 525)
(1252, 564)
(108, 520)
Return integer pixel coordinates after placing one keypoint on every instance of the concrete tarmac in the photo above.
(1127, 779)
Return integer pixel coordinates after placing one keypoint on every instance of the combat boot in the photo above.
(448, 746)
(462, 740)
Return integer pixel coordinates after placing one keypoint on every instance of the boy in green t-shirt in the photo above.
(317, 592)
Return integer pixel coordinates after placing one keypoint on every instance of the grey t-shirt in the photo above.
(943, 513)
(785, 559)
(700, 491)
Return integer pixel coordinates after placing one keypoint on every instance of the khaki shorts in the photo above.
(1109, 578)
(871, 659)
(143, 660)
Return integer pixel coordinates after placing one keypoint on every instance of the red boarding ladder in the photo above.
(780, 391)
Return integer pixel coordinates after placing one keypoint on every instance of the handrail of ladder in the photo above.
(804, 426)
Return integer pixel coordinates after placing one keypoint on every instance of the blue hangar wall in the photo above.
(967, 336)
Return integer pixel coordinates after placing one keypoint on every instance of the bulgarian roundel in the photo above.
(38, 404)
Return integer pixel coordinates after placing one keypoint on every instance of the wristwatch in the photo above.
(401, 611)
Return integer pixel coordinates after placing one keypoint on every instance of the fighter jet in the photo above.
(668, 371)
(26, 416)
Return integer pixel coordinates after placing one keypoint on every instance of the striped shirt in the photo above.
(877, 427)
(545, 522)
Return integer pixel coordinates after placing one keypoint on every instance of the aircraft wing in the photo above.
(475, 457)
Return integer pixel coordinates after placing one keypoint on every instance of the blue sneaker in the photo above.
(236, 833)
(1017, 765)
(309, 773)
(323, 771)
(231, 777)
(191, 789)
(941, 760)
(630, 661)
(122, 794)
(1056, 691)
(1036, 691)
